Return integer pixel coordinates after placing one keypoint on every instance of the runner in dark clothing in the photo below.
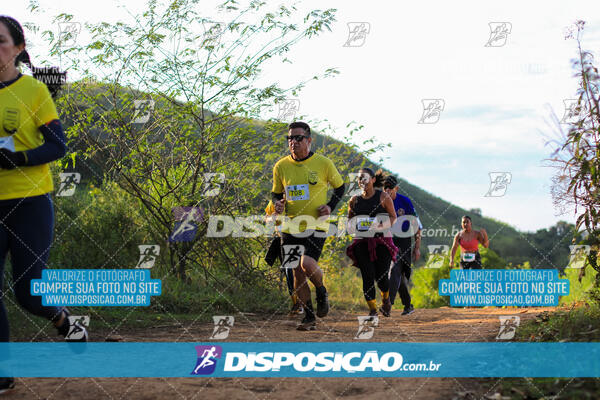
(401, 270)
(31, 137)
(370, 216)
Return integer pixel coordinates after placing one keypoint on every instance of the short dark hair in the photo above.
(300, 124)
(467, 217)
(390, 182)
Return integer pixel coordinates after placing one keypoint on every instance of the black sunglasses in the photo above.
(296, 138)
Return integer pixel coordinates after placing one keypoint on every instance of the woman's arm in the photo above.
(351, 203)
(350, 226)
(483, 238)
(54, 147)
(454, 248)
(388, 204)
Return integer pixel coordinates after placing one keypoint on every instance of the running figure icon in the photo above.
(293, 255)
(186, 227)
(207, 361)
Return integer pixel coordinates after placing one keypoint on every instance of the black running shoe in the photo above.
(296, 309)
(77, 329)
(409, 310)
(308, 323)
(6, 384)
(322, 302)
(386, 308)
(373, 315)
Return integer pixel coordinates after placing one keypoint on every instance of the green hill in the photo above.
(547, 248)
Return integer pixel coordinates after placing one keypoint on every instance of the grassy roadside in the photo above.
(577, 322)
(104, 322)
(180, 304)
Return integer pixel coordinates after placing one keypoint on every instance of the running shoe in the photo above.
(322, 302)
(65, 329)
(296, 309)
(409, 310)
(373, 315)
(386, 307)
(6, 384)
(308, 323)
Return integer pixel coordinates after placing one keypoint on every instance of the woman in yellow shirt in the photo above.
(31, 136)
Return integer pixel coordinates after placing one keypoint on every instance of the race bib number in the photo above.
(297, 192)
(364, 223)
(7, 143)
(468, 257)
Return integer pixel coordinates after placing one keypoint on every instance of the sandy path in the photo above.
(428, 325)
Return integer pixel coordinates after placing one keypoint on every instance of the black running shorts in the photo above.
(476, 264)
(313, 245)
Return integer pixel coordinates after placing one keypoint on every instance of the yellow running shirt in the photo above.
(305, 185)
(25, 105)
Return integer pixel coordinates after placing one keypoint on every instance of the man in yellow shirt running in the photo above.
(300, 183)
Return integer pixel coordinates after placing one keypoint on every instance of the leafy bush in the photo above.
(425, 281)
(581, 284)
(97, 227)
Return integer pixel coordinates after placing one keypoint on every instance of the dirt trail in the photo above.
(428, 325)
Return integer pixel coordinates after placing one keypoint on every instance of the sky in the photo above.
(497, 100)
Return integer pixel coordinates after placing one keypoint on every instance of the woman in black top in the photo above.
(370, 216)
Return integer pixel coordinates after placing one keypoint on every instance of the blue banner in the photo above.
(504, 287)
(95, 287)
(306, 359)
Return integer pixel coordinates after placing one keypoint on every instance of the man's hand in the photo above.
(11, 160)
(280, 206)
(416, 254)
(324, 210)
(451, 263)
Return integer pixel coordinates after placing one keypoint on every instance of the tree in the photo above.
(168, 101)
(576, 154)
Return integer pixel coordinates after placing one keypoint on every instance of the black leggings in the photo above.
(289, 278)
(400, 275)
(26, 230)
(373, 271)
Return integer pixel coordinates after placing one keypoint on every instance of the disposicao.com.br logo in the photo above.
(323, 362)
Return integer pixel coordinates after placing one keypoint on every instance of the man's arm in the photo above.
(337, 195)
(277, 196)
(278, 200)
(417, 249)
(411, 211)
(334, 179)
